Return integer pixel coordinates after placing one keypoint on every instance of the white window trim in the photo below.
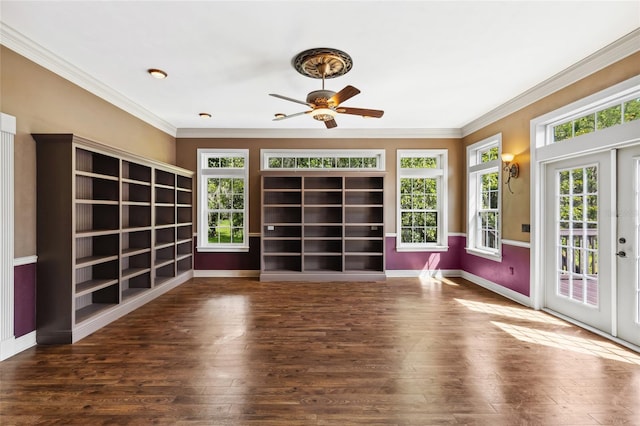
(203, 174)
(473, 170)
(543, 151)
(265, 154)
(442, 173)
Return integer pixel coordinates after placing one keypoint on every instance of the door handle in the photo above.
(621, 254)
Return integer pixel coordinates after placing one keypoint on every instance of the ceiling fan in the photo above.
(325, 104)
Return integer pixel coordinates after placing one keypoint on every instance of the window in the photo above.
(422, 200)
(223, 200)
(620, 111)
(484, 195)
(321, 159)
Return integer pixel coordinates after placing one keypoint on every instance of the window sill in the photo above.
(238, 249)
(429, 248)
(496, 257)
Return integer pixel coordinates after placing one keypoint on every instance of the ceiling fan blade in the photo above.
(346, 93)
(331, 124)
(284, 117)
(376, 113)
(286, 98)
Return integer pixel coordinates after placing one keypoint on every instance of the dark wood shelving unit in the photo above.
(111, 228)
(322, 226)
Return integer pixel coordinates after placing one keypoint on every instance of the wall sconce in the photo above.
(510, 168)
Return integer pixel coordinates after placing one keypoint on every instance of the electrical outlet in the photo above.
(270, 227)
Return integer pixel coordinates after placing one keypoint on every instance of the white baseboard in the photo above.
(215, 273)
(14, 346)
(496, 288)
(393, 273)
(417, 273)
(593, 330)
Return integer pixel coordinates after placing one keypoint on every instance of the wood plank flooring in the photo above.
(403, 352)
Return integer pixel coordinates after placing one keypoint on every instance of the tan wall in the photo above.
(187, 152)
(515, 130)
(43, 102)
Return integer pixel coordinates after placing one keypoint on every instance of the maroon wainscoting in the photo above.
(425, 260)
(24, 299)
(238, 261)
(512, 272)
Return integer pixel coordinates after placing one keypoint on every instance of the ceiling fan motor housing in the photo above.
(320, 98)
(323, 109)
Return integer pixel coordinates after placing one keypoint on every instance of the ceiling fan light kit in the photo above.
(323, 114)
(325, 63)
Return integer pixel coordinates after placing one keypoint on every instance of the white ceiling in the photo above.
(428, 64)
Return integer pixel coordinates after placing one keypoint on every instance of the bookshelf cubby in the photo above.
(324, 232)
(322, 198)
(312, 246)
(165, 237)
(136, 172)
(135, 216)
(184, 197)
(96, 189)
(136, 193)
(322, 226)
(135, 242)
(283, 245)
(184, 232)
(165, 195)
(106, 234)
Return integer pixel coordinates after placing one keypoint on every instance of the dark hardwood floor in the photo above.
(241, 352)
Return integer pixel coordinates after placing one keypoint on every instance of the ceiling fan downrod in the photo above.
(323, 68)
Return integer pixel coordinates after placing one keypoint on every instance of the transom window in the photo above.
(484, 195)
(422, 200)
(322, 159)
(223, 200)
(602, 117)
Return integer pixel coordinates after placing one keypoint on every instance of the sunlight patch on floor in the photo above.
(598, 348)
(428, 279)
(511, 312)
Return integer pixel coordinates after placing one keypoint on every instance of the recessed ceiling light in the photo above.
(204, 115)
(280, 115)
(156, 73)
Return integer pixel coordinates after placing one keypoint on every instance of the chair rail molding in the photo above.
(7, 135)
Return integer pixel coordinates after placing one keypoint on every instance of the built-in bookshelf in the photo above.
(322, 226)
(114, 231)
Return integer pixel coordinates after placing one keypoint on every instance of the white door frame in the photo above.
(542, 153)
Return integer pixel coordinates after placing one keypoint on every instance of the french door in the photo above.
(592, 229)
(627, 245)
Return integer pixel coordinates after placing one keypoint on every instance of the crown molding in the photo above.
(24, 46)
(604, 57)
(319, 133)
(33, 51)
